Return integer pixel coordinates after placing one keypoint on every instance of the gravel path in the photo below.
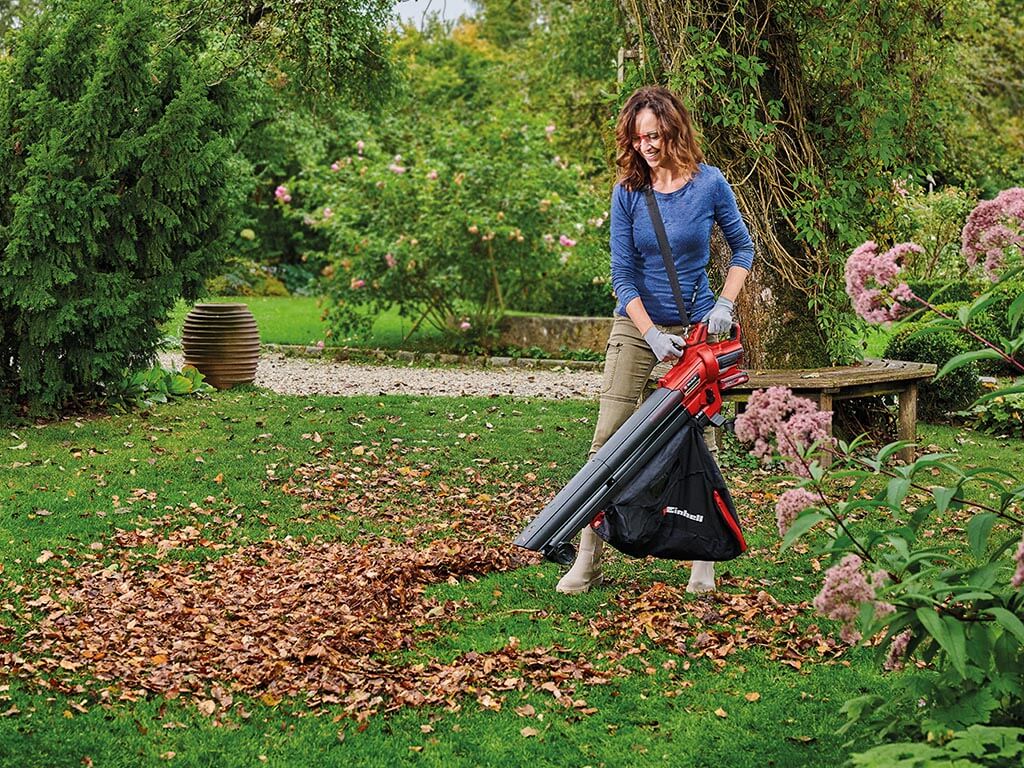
(303, 376)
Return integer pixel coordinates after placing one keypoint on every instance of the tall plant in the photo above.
(115, 194)
(956, 609)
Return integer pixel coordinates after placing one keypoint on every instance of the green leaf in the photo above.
(955, 647)
(978, 530)
(800, 526)
(897, 490)
(965, 358)
(943, 496)
(1009, 622)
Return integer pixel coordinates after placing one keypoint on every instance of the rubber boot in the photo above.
(586, 571)
(702, 575)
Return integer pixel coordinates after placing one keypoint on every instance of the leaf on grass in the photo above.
(721, 712)
(752, 696)
(529, 732)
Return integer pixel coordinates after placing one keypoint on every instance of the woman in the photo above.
(657, 149)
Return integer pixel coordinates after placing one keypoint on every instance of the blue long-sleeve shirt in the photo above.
(637, 266)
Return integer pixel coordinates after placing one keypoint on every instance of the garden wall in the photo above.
(556, 333)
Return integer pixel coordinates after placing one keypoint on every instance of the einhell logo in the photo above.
(683, 513)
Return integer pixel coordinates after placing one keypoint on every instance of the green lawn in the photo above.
(297, 320)
(197, 495)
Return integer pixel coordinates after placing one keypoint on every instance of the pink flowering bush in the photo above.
(776, 418)
(994, 232)
(958, 609)
(451, 238)
(887, 586)
(871, 281)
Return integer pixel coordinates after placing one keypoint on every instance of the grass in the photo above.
(297, 320)
(70, 485)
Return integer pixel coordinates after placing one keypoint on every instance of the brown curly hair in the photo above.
(679, 142)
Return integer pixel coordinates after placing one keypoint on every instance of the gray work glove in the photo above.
(719, 319)
(666, 346)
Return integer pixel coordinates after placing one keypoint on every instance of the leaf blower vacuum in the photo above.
(690, 394)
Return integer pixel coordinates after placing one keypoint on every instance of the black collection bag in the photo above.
(677, 507)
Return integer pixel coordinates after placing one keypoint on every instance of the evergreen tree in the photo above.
(115, 194)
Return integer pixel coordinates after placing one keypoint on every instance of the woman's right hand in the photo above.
(666, 346)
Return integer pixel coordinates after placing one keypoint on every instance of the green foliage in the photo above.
(986, 146)
(943, 291)
(932, 219)
(155, 385)
(451, 215)
(1002, 415)
(921, 342)
(978, 745)
(246, 278)
(115, 194)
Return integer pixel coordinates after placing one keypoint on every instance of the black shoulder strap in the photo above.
(666, 252)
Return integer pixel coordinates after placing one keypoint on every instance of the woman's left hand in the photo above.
(719, 319)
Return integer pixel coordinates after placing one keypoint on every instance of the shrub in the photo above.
(114, 194)
(247, 278)
(954, 608)
(580, 287)
(1002, 415)
(935, 291)
(984, 324)
(953, 392)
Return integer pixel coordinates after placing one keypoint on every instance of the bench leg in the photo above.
(906, 428)
(825, 404)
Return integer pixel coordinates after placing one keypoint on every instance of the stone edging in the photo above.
(357, 354)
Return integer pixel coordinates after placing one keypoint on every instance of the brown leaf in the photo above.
(752, 696)
(529, 732)
(721, 712)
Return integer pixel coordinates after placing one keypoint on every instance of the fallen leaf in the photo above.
(721, 712)
(752, 696)
(529, 732)
(44, 556)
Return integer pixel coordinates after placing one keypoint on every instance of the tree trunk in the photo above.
(779, 328)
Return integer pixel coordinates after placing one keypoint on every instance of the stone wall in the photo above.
(555, 332)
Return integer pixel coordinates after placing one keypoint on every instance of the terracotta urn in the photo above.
(223, 342)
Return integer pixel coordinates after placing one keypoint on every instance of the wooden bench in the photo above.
(867, 379)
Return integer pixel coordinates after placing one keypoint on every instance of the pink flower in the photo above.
(791, 504)
(396, 168)
(1018, 577)
(994, 229)
(335, 166)
(548, 238)
(870, 278)
(549, 129)
(328, 213)
(432, 175)
(465, 325)
(389, 259)
(356, 283)
(844, 590)
(281, 193)
(565, 241)
(897, 651)
(776, 415)
(360, 146)
(320, 344)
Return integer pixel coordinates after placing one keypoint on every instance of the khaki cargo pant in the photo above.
(627, 368)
